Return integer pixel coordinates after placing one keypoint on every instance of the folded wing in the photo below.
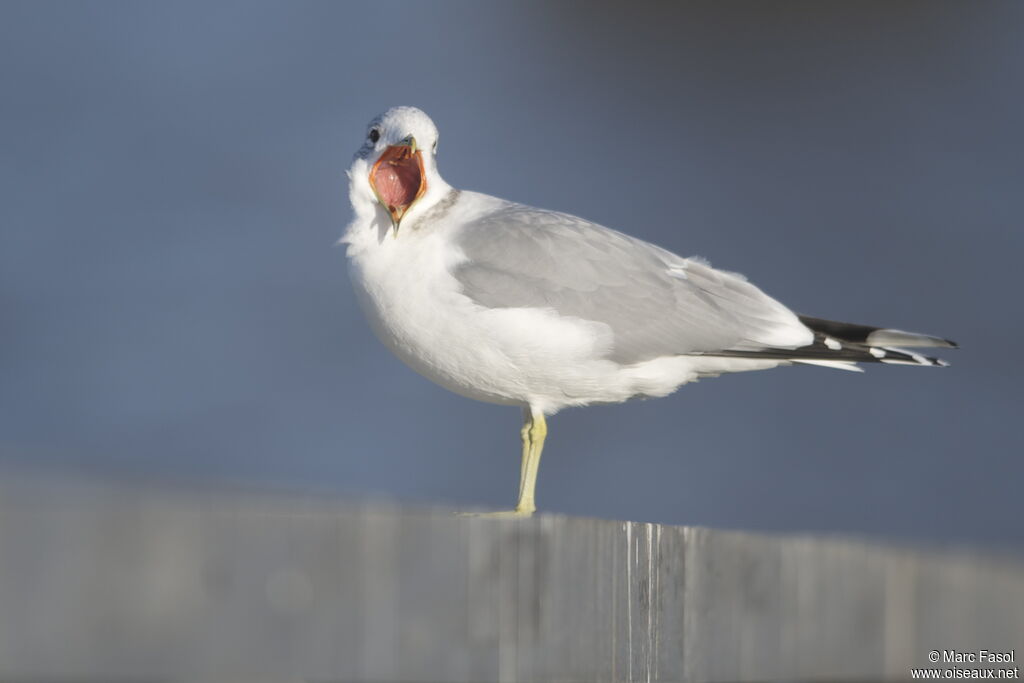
(655, 302)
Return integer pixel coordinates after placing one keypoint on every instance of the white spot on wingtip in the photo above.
(877, 353)
(832, 344)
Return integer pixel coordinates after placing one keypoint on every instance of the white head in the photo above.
(394, 173)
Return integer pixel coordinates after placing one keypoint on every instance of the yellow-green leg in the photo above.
(535, 428)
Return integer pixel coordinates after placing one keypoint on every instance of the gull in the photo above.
(520, 306)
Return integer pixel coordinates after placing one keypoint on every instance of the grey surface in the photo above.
(656, 303)
(104, 582)
(172, 183)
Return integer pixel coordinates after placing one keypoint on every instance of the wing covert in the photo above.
(655, 302)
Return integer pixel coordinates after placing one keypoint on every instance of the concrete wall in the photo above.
(102, 582)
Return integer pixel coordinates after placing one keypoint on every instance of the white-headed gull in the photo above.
(514, 305)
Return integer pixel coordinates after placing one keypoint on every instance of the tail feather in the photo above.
(849, 366)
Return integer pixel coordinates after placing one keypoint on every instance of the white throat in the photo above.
(372, 216)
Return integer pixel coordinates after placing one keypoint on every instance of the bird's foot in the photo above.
(500, 514)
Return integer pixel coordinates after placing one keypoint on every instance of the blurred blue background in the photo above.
(174, 306)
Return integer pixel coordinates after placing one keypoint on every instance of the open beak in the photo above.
(397, 178)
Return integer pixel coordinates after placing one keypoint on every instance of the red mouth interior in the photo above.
(397, 178)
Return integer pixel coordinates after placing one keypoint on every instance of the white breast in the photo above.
(415, 308)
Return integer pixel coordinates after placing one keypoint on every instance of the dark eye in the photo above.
(374, 135)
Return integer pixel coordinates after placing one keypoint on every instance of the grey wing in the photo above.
(656, 303)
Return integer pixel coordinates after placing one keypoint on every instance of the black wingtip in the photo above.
(874, 336)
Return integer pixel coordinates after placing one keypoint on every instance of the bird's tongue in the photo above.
(397, 178)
